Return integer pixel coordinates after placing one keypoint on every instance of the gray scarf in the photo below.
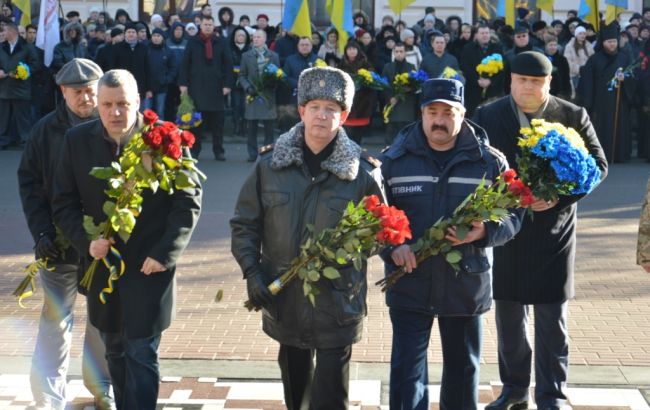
(521, 116)
(76, 120)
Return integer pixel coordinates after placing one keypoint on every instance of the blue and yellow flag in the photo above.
(614, 8)
(23, 12)
(296, 18)
(340, 12)
(546, 5)
(588, 11)
(506, 8)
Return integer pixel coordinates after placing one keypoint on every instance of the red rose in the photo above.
(150, 117)
(153, 139)
(169, 127)
(173, 151)
(516, 187)
(380, 211)
(372, 202)
(188, 139)
(509, 175)
(173, 138)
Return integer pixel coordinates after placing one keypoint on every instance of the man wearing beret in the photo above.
(536, 268)
(432, 166)
(142, 304)
(601, 102)
(78, 82)
(307, 178)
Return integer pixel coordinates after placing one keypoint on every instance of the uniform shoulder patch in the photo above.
(265, 149)
(370, 159)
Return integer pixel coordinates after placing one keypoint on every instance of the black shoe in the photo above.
(507, 403)
(219, 157)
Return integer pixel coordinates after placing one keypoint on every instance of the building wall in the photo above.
(272, 8)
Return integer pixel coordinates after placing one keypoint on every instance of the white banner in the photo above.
(48, 29)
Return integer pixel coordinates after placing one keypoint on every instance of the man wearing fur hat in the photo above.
(307, 178)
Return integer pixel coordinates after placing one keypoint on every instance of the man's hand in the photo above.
(258, 292)
(484, 82)
(403, 256)
(182, 89)
(46, 249)
(226, 90)
(99, 247)
(476, 233)
(148, 94)
(646, 268)
(393, 101)
(151, 265)
(2, 74)
(620, 77)
(541, 205)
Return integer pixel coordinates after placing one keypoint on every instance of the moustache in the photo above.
(439, 127)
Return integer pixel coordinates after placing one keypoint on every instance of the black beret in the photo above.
(116, 32)
(532, 63)
(609, 33)
(72, 13)
(521, 27)
(130, 26)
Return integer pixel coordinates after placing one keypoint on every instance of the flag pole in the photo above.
(616, 109)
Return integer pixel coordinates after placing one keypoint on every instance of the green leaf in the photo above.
(437, 234)
(306, 288)
(93, 231)
(154, 185)
(183, 181)
(415, 247)
(101, 172)
(312, 299)
(358, 263)
(124, 235)
(109, 208)
(348, 246)
(116, 166)
(500, 212)
(313, 276)
(364, 232)
(331, 273)
(341, 256)
(329, 254)
(454, 257)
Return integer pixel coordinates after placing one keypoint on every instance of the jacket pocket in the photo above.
(475, 264)
(271, 199)
(338, 204)
(349, 296)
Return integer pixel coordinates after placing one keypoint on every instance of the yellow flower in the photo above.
(21, 73)
(279, 73)
(320, 63)
(187, 117)
(539, 128)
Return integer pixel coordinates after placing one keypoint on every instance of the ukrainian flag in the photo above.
(546, 5)
(506, 8)
(340, 12)
(614, 7)
(398, 5)
(23, 12)
(296, 18)
(588, 11)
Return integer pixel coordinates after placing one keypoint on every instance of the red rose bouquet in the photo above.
(486, 203)
(153, 159)
(363, 230)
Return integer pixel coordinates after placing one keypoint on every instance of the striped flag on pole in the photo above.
(47, 35)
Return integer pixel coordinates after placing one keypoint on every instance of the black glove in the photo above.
(45, 248)
(258, 292)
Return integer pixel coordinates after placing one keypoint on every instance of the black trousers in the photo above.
(252, 135)
(21, 112)
(213, 124)
(323, 386)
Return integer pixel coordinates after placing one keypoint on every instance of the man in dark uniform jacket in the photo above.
(142, 304)
(131, 55)
(535, 268)
(78, 81)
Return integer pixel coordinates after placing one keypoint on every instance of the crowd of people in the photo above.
(437, 156)
(584, 61)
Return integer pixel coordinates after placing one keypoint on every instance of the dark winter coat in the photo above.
(36, 176)
(162, 68)
(237, 52)
(140, 306)
(509, 57)
(104, 57)
(561, 79)
(11, 88)
(258, 109)
(537, 266)
(405, 110)
(434, 65)
(293, 66)
(286, 46)
(365, 99)
(177, 48)
(276, 203)
(600, 102)
(69, 48)
(428, 191)
(225, 29)
(135, 61)
(205, 78)
(471, 57)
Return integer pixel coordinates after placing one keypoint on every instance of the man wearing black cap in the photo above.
(131, 55)
(522, 43)
(539, 29)
(78, 82)
(599, 98)
(105, 52)
(163, 71)
(432, 166)
(307, 178)
(535, 268)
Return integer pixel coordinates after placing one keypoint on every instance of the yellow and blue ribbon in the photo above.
(114, 274)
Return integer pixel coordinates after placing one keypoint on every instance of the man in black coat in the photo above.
(142, 303)
(78, 82)
(206, 74)
(105, 52)
(535, 268)
(15, 94)
(132, 55)
(599, 98)
(472, 55)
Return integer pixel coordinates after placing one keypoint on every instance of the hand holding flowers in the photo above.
(270, 78)
(489, 67)
(21, 72)
(404, 83)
